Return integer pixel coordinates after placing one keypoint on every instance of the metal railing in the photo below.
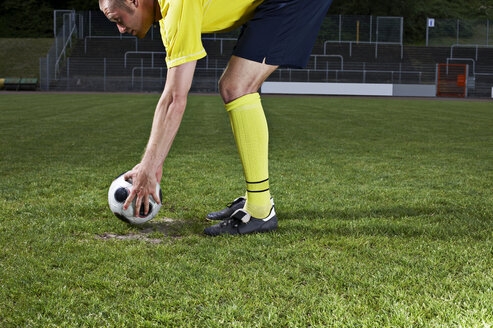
(221, 40)
(161, 80)
(121, 36)
(152, 53)
(68, 31)
(362, 42)
(327, 56)
(445, 31)
(465, 59)
(476, 46)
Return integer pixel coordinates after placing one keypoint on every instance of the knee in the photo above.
(230, 89)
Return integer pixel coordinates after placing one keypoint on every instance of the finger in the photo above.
(138, 203)
(129, 200)
(128, 175)
(156, 197)
(146, 204)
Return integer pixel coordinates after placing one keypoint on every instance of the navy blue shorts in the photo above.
(282, 32)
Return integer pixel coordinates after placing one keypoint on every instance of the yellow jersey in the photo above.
(184, 21)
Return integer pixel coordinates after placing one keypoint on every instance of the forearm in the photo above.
(165, 125)
(167, 116)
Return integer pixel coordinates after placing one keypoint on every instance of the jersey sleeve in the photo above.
(181, 32)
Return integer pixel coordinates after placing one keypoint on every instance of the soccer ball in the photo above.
(118, 193)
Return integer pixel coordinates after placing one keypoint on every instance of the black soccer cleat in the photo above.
(228, 211)
(243, 223)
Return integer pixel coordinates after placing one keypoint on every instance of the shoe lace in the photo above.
(234, 221)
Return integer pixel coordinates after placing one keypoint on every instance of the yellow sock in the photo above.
(252, 140)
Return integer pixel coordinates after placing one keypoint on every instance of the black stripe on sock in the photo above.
(257, 181)
(258, 190)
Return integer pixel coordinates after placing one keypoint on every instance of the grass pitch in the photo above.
(385, 209)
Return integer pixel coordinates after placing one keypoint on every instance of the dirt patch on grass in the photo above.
(164, 225)
(130, 236)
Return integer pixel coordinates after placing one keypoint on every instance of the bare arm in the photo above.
(167, 118)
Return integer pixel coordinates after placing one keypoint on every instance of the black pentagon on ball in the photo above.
(121, 217)
(142, 212)
(121, 194)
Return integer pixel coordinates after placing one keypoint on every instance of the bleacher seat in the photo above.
(16, 84)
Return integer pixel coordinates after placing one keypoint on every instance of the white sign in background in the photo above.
(312, 88)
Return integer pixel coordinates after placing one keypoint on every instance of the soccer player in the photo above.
(274, 33)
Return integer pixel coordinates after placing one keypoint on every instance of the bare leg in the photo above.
(241, 77)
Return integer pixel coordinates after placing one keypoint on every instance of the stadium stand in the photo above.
(103, 60)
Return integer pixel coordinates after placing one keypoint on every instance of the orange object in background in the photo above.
(461, 80)
(451, 80)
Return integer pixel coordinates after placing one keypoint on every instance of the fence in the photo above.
(148, 74)
(65, 27)
(364, 29)
(446, 32)
(90, 26)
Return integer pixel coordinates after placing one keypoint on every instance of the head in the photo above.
(130, 16)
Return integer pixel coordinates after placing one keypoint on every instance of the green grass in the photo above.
(385, 209)
(20, 57)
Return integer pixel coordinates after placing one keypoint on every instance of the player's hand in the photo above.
(143, 184)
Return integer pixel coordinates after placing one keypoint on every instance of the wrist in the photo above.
(150, 162)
